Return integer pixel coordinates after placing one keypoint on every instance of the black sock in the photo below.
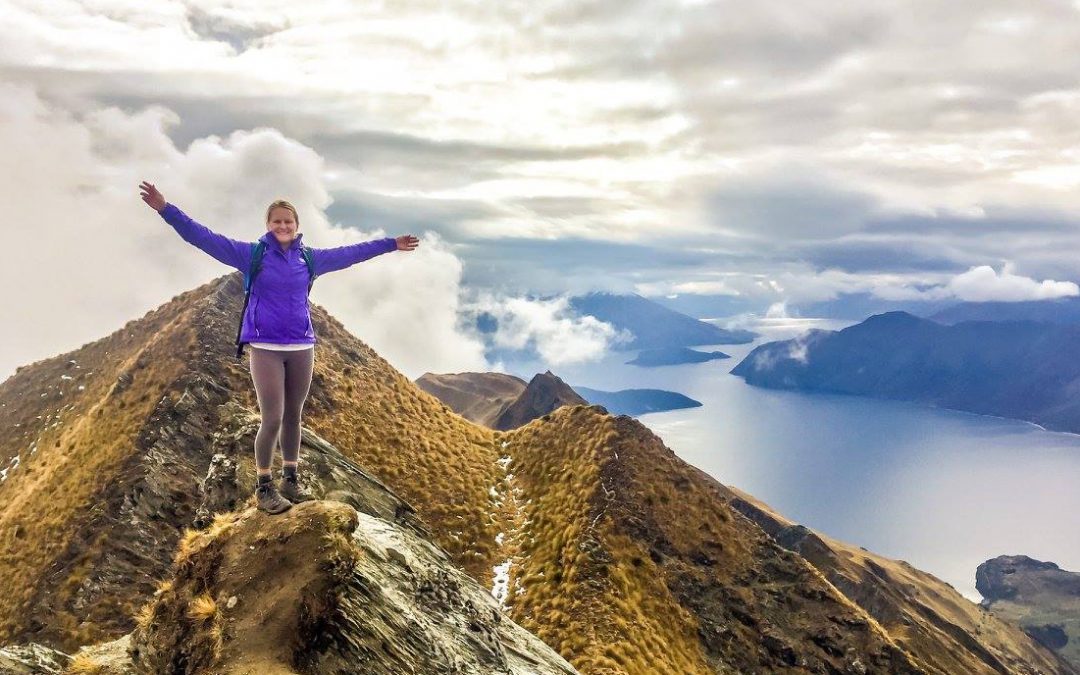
(266, 478)
(289, 471)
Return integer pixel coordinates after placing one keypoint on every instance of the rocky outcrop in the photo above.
(1016, 577)
(323, 588)
(1039, 597)
(31, 658)
(326, 472)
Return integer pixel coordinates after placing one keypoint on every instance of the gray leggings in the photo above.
(282, 380)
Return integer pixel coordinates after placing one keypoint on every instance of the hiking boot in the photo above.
(270, 500)
(292, 490)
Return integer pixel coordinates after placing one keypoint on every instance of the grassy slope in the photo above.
(629, 554)
(79, 438)
(924, 614)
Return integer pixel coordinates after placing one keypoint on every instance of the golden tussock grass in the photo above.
(80, 438)
(202, 608)
(83, 664)
(599, 610)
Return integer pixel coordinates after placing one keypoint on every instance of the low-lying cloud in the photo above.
(984, 284)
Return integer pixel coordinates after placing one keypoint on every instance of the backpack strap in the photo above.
(255, 265)
(257, 251)
(306, 252)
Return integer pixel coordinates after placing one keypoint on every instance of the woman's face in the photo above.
(282, 224)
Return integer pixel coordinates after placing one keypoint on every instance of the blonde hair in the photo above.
(281, 202)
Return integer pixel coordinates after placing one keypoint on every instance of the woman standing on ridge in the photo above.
(277, 325)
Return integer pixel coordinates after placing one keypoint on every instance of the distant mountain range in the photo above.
(1058, 310)
(858, 306)
(1019, 369)
(653, 325)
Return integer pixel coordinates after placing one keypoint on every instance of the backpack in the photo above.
(258, 250)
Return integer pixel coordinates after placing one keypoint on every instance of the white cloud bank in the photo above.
(984, 284)
(549, 327)
(91, 255)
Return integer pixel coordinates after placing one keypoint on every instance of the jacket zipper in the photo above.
(255, 316)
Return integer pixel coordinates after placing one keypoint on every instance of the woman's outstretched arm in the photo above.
(236, 254)
(333, 259)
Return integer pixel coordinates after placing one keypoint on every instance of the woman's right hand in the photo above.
(151, 196)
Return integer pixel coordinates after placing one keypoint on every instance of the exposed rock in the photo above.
(322, 588)
(31, 658)
(326, 472)
(219, 489)
(1012, 577)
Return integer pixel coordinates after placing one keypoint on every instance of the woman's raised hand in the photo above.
(154, 200)
(406, 242)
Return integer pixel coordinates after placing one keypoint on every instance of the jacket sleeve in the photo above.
(229, 251)
(333, 259)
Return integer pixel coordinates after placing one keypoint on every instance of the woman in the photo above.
(277, 325)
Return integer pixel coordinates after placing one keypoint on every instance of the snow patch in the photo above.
(14, 465)
(501, 585)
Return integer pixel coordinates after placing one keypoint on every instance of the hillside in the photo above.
(478, 397)
(590, 533)
(500, 401)
(112, 458)
(921, 612)
(1019, 369)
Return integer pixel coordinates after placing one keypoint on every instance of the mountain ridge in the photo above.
(591, 533)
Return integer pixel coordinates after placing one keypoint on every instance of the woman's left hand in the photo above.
(406, 242)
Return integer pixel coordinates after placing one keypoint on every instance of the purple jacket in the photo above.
(278, 309)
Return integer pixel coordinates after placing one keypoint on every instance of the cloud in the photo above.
(547, 326)
(789, 201)
(777, 310)
(96, 256)
(984, 284)
(980, 284)
(649, 147)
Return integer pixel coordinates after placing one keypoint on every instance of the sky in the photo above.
(775, 152)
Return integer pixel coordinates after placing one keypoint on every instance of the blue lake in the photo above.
(941, 489)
